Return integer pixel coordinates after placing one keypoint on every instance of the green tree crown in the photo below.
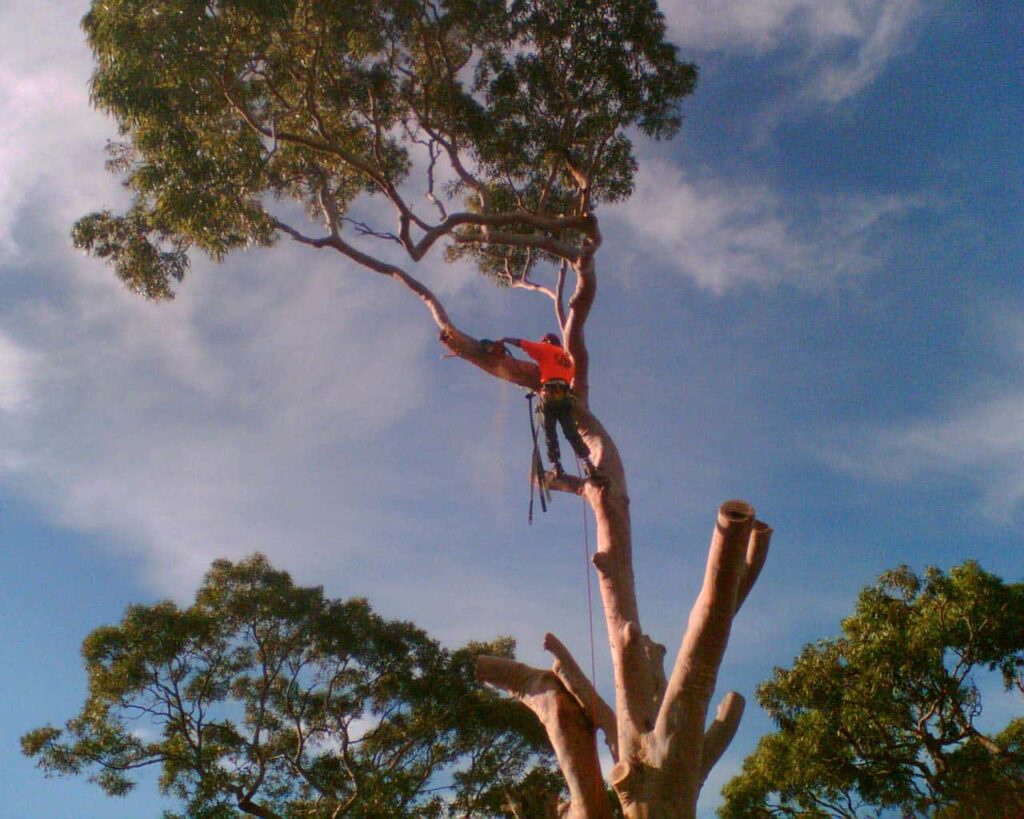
(883, 716)
(229, 106)
(265, 698)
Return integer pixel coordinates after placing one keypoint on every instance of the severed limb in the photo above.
(679, 729)
(576, 682)
(572, 734)
(721, 732)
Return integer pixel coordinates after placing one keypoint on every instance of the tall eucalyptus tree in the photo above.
(492, 128)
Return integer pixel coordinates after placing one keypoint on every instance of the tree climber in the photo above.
(557, 402)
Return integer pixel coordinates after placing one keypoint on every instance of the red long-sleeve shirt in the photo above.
(554, 362)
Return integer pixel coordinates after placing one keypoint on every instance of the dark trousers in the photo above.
(557, 407)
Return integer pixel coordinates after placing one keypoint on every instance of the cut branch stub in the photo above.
(680, 725)
(721, 732)
(757, 554)
(572, 734)
(572, 676)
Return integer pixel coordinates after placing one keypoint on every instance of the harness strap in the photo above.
(536, 466)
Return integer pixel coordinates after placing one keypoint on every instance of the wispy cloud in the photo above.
(189, 430)
(976, 440)
(835, 47)
(981, 444)
(883, 30)
(724, 234)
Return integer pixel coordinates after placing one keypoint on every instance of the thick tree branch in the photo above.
(721, 732)
(579, 310)
(609, 499)
(485, 220)
(573, 678)
(680, 724)
(757, 554)
(247, 805)
(572, 734)
(562, 250)
(565, 483)
(560, 296)
(493, 359)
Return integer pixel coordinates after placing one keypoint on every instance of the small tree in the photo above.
(267, 699)
(883, 717)
(495, 128)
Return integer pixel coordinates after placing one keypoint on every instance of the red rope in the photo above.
(599, 784)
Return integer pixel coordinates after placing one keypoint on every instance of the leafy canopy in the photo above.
(266, 698)
(884, 716)
(521, 107)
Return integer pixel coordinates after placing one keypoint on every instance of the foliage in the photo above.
(519, 107)
(268, 699)
(884, 716)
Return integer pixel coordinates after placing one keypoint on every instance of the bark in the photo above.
(247, 805)
(493, 359)
(721, 732)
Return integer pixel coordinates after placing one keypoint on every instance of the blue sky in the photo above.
(813, 301)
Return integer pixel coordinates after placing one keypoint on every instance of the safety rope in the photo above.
(599, 784)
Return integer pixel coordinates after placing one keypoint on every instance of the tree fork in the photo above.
(572, 734)
(660, 766)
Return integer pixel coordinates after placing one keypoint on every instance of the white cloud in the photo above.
(214, 425)
(838, 46)
(757, 25)
(883, 34)
(191, 431)
(723, 235)
(47, 128)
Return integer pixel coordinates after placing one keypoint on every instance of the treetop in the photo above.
(515, 115)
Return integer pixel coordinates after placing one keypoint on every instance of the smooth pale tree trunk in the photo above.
(657, 733)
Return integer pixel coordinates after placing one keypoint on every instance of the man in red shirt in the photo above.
(557, 404)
